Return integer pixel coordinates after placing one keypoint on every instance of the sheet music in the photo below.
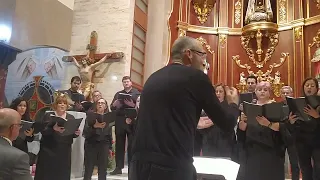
(216, 166)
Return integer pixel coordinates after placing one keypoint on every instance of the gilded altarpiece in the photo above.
(279, 50)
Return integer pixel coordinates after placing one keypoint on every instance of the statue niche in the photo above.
(260, 11)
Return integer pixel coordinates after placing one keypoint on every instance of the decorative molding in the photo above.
(283, 11)
(298, 33)
(318, 3)
(316, 40)
(222, 40)
(265, 76)
(237, 12)
(203, 9)
(182, 32)
(238, 31)
(205, 44)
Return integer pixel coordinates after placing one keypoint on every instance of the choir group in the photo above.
(258, 143)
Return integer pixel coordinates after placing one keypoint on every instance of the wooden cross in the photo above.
(92, 48)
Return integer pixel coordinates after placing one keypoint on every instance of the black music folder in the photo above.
(246, 97)
(86, 104)
(296, 106)
(26, 125)
(70, 126)
(109, 118)
(123, 96)
(130, 113)
(313, 101)
(273, 111)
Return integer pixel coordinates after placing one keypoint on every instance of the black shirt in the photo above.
(170, 108)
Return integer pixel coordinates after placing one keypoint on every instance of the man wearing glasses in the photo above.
(169, 113)
(14, 163)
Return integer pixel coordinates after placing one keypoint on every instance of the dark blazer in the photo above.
(14, 163)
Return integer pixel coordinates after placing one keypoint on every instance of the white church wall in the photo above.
(113, 21)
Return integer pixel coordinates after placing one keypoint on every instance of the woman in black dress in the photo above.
(307, 135)
(262, 155)
(19, 104)
(97, 146)
(217, 143)
(54, 158)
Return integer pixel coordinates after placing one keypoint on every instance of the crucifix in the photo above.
(87, 64)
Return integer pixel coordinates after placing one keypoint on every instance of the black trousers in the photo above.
(122, 132)
(96, 154)
(305, 153)
(150, 171)
(294, 162)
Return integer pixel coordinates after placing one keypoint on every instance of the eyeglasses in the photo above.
(18, 125)
(101, 103)
(202, 54)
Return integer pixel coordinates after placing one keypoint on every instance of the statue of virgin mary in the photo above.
(258, 10)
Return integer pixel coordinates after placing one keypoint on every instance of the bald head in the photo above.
(182, 44)
(8, 117)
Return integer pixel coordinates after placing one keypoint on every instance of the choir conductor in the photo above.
(170, 108)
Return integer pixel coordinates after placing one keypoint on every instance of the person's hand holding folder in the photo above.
(311, 112)
(129, 102)
(98, 125)
(58, 128)
(29, 132)
(78, 132)
(128, 120)
(292, 118)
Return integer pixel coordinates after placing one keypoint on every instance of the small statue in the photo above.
(86, 71)
(259, 10)
(277, 78)
(243, 80)
(206, 66)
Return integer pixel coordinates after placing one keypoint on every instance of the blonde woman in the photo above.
(54, 158)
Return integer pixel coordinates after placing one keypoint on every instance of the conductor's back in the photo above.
(170, 107)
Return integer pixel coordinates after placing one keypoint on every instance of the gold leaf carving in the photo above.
(205, 44)
(316, 40)
(182, 32)
(203, 9)
(298, 33)
(237, 12)
(282, 11)
(273, 42)
(318, 3)
(222, 40)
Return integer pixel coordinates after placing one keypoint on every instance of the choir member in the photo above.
(54, 158)
(21, 106)
(170, 108)
(96, 146)
(251, 84)
(287, 91)
(217, 143)
(122, 129)
(75, 96)
(96, 95)
(263, 156)
(132, 123)
(307, 134)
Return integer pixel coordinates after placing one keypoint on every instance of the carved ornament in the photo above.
(257, 31)
(205, 44)
(237, 12)
(263, 76)
(316, 40)
(298, 33)
(282, 11)
(222, 40)
(182, 32)
(203, 9)
(318, 3)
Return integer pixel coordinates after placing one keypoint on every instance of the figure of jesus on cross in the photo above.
(87, 64)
